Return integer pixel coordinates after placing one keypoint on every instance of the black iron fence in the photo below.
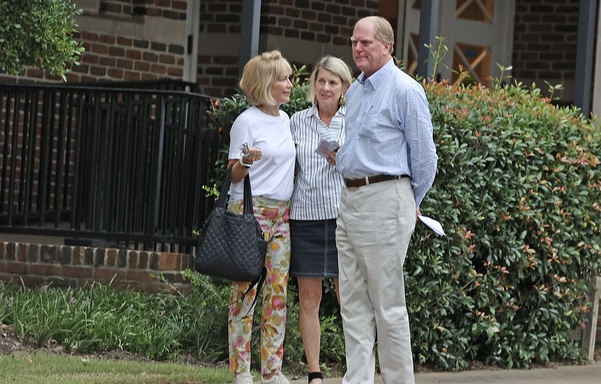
(157, 85)
(118, 165)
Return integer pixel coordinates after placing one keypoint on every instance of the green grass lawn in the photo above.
(46, 368)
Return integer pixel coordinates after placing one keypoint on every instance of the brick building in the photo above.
(199, 41)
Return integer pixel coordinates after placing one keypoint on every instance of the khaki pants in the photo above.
(375, 224)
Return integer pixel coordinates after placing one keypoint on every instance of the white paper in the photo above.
(432, 224)
(328, 146)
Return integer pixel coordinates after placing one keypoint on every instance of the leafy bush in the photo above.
(38, 33)
(517, 191)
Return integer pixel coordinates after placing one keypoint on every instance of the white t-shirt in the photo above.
(273, 175)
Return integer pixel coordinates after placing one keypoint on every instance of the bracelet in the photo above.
(245, 165)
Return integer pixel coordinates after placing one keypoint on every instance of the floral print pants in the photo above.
(273, 216)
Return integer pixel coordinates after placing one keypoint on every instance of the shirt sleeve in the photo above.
(240, 133)
(421, 149)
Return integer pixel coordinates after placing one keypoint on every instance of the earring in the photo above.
(342, 100)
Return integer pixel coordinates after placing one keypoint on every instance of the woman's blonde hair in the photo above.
(260, 73)
(334, 65)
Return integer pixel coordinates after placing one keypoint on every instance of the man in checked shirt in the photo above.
(388, 162)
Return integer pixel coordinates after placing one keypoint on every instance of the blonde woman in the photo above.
(261, 145)
(314, 204)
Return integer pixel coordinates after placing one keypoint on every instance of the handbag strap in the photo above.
(257, 283)
(248, 197)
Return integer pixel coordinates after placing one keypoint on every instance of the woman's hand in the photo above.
(330, 157)
(248, 156)
(254, 154)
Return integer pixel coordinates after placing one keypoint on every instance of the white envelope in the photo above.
(432, 224)
(328, 146)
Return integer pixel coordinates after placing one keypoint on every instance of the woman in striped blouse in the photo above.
(317, 133)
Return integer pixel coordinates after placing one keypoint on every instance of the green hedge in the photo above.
(518, 192)
(39, 33)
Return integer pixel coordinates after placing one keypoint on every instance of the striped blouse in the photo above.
(318, 184)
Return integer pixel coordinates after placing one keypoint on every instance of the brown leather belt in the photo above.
(350, 183)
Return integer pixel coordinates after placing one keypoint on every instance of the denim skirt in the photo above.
(313, 245)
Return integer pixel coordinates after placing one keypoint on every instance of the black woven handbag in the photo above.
(232, 246)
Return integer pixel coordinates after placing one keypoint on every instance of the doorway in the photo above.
(477, 33)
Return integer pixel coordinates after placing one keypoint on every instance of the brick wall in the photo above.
(118, 46)
(303, 30)
(77, 266)
(116, 58)
(322, 22)
(545, 42)
(168, 9)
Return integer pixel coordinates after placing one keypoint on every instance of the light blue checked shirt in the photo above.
(389, 130)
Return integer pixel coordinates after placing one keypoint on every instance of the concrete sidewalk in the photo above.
(571, 374)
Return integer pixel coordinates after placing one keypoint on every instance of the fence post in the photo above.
(592, 319)
(155, 196)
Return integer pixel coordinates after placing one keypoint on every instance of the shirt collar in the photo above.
(379, 76)
(314, 113)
